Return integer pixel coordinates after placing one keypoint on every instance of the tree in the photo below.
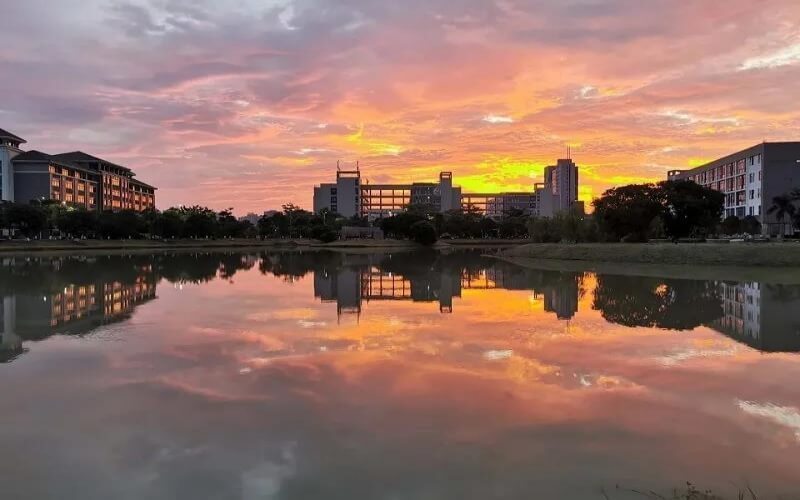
(783, 206)
(751, 225)
(28, 219)
(119, 225)
(543, 230)
(228, 226)
(198, 222)
(732, 225)
(626, 211)
(168, 224)
(513, 224)
(78, 222)
(689, 208)
(423, 233)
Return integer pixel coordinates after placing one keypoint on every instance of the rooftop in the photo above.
(140, 183)
(4, 134)
(81, 157)
(39, 157)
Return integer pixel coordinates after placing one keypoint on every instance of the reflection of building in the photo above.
(350, 287)
(562, 300)
(350, 196)
(762, 316)
(750, 179)
(74, 310)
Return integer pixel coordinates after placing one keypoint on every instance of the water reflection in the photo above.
(75, 295)
(328, 375)
(45, 296)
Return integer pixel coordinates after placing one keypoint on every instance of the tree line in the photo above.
(36, 220)
(633, 213)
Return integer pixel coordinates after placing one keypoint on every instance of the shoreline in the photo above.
(775, 263)
(67, 247)
(761, 274)
(755, 255)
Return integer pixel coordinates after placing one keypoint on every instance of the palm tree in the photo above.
(782, 206)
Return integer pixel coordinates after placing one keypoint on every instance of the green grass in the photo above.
(700, 254)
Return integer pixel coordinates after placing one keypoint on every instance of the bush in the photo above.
(324, 234)
(423, 233)
(732, 225)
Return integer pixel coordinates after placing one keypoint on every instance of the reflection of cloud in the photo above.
(787, 416)
(264, 480)
(289, 313)
(312, 324)
(685, 355)
(601, 381)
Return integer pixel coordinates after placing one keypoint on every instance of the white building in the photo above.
(750, 179)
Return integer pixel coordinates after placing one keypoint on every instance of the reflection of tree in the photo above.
(189, 267)
(292, 265)
(654, 302)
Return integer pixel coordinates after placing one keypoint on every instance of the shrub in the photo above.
(423, 233)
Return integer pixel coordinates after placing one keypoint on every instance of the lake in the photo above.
(418, 375)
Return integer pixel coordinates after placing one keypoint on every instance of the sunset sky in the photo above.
(249, 103)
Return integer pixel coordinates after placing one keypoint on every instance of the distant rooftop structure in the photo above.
(81, 157)
(350, 197)
(4, 134)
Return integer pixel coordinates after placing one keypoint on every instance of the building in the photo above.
(76, 178)
(9, 148)
(349, 196)
(750, 179)
(561, 180)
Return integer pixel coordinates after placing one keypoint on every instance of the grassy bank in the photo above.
(17, 247)
(701, 254)
(80, 246)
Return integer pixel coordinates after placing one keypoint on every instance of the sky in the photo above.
(250, 103)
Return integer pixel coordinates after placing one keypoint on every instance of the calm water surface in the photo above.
(376, 376)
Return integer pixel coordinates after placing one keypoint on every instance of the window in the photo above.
(752, 178)
(751, 210)
(752, 195)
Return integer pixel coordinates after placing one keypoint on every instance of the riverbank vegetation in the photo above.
(700, 254)
(671, 210)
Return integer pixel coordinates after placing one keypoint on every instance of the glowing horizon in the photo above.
(249, 103)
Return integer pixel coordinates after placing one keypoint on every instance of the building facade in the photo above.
(750, 179)
(349, 196)
(38, 176)
(76, 179)
(561, 180)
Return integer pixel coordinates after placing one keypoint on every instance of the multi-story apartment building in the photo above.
(750, 179)
(75, 178)
(38, 176)
(120, 191)
(350, 196)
